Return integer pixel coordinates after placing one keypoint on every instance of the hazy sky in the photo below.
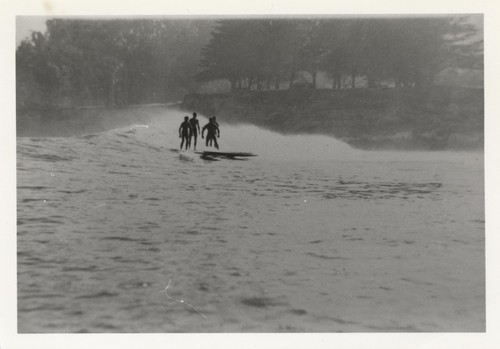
(26, 24)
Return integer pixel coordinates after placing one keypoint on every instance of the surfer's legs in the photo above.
(215, 143)
(185, 138)
(195, 137)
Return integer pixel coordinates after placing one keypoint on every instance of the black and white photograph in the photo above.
(250, 174)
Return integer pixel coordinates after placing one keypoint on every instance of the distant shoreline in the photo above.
(443, 118)
(440, 118)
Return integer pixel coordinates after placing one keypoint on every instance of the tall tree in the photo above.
(108, 62)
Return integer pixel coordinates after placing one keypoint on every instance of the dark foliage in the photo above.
(260, 53)
(126, 62)
(109, 62)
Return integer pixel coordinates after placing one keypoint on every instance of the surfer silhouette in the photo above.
(212, 131)
(195, 129)
(185, 131)
(216, 124)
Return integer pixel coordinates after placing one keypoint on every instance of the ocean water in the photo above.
(118, 232)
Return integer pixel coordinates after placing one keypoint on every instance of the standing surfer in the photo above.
(195, 129)
(215, 121)
(185, 131)
(213, 138)
(212, 130)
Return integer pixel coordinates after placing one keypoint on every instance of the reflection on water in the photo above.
(310, 235)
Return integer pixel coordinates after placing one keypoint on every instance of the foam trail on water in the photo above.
(271, 145)
(163, 131)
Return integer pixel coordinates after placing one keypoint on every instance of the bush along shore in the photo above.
(438, 118)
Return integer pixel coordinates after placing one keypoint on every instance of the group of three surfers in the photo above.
(190, 128)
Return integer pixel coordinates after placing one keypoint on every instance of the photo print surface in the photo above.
(305, 174)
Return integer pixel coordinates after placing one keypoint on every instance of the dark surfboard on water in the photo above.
(226, 155)
(214, 155)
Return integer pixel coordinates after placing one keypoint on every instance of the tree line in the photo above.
(262, 53)
(138, 61)
(109, 62)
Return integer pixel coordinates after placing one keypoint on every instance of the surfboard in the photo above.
(224, 154)
(181, 151)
